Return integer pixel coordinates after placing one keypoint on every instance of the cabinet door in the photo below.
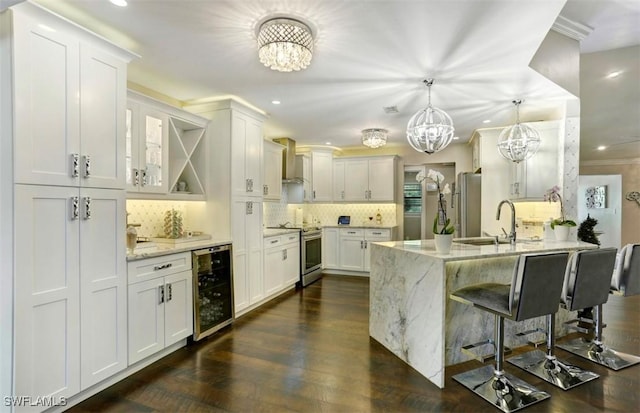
(307, 186)
(153, 149)
(382, 180)
(146, 319)
(246, 155)
(246, 223)
(273, 268)
(291, 264)
(351, 253)
(373, 235)
(132, 146)
(178, 307)
(254, 244)
(103, 281)
(272, 171)
(103, 99)
(330, 248)
(46, 90)
(322, 165)
(47, 292)
(356, 180)
(338, 180)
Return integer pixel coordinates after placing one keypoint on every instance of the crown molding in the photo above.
(572, 29)
(605, 162)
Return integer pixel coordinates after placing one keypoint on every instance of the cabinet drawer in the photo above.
(383, 233)
(290, 238)
(271, 242)
(352, 232)
(150, 268)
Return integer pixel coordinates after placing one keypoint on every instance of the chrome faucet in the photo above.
(512, 234)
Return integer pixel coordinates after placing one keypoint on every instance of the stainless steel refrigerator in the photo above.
(468, 204)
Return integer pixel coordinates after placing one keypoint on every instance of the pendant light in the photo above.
(285, 44)
(430, 130)
(518, 142)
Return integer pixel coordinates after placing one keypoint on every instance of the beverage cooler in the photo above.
(212, 290)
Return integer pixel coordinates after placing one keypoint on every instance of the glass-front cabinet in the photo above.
(146, 149)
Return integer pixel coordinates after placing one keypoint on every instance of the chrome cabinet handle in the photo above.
(75, 208)
(162, 267)
(265, 189)
(75, 165)
(366, 243)
(249, 183)
(170, 292)
(87, 207)
(161, 293)
(377, 233)
(314, 194)
(361, 244)
(143, 180)
(249, 208)
(351, 232)
(284, 254)
(136, 176)
(274, 241)
(342, 194)
(87, 166)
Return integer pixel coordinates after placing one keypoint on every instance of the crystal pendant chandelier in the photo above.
(285, 44)
(518, 142)
(374, 138)
(430, 130)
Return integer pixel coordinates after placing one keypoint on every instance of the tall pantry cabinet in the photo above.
(68, 101)
(235, 191)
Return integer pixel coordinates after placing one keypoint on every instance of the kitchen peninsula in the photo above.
(410, 310)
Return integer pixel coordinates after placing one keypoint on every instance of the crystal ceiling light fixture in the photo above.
(518, 142)
(430, 130)
(285, 44)
(374, 138)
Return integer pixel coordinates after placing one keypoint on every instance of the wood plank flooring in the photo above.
(310, 351)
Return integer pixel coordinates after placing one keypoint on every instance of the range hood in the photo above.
(289, 161)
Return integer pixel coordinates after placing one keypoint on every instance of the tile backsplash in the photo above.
(150, 215)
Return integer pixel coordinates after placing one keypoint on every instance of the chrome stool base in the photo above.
(552, 370)
(599, 353)
(505, 391)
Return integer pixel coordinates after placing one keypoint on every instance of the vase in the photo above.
(561, 232)
(443, 242)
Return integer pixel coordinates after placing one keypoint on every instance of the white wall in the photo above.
(609, 218)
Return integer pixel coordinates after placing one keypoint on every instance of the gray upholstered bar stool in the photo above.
(534, 291)
(586, 284)
(625, 281)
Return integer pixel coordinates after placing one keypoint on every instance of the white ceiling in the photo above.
(368, 54)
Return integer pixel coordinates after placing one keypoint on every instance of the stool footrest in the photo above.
(534, 343)
(482, 357)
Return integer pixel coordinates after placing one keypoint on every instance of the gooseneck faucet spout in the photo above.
(512, 234)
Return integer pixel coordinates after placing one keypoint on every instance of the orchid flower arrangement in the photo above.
(553, 195)
(441, 217)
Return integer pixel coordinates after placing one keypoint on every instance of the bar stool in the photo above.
(625, 281)
(586, 284)
(534, 291)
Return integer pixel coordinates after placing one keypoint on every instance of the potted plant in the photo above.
(442, 227)
(560, 225)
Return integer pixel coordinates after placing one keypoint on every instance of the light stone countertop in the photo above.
(361, 226)
(159, 249)
(461, 252)
(272, 232)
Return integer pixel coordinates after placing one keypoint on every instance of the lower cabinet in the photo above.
(348, 249)
(281, 262)
(160, 303)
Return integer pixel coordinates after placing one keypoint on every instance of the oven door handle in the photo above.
(311, 237)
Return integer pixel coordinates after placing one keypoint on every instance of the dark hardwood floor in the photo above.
(310, 351)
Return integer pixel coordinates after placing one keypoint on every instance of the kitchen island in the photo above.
(410, 310)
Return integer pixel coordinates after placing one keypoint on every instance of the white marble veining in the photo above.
(410, 313)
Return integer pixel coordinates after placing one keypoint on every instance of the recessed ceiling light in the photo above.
(614, 74)
(275, 102)
(327, 143)
(601, 148)
(119, 3)
(486, 121)
(455, 138)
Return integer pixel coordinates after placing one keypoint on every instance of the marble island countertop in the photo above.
(460, 251)
(156, 249)
(372, 226)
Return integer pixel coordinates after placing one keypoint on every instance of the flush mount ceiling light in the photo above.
(374, 138)
(285, 44)
(518, 142)
(430, 130)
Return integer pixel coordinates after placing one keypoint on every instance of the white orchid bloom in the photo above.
(435, 176)
(446, 189)
(420, 176)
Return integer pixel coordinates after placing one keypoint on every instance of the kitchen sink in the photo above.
(480, 241)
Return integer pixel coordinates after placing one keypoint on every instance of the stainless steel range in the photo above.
(310, 255)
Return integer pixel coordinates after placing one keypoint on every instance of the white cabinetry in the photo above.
(330, 247)
(354, 250)
(68, 102)
(321, 180)
(364, 179)
(160, 303)
(281, 262)
(272, 188)
(246, 152)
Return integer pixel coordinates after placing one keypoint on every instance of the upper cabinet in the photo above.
(321, 181)
(370, 179)
(272, 187)
(71, 95)
(165, 149)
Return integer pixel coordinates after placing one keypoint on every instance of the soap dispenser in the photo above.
(378, 218)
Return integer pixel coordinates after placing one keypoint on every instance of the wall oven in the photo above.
(212, 290)
(310, 256)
